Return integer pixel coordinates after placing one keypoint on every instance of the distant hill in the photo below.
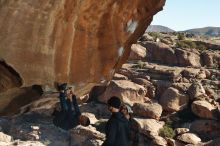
(209, 31)
(159, 28)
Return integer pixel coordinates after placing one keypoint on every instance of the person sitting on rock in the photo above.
(117, 127)
(70, 115)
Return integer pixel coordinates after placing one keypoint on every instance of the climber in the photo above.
(68, 118)
(117, 127)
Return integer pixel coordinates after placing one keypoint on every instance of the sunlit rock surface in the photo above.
(43, 42)
(73, 41)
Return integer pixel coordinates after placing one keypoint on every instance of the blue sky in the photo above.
(187, 14)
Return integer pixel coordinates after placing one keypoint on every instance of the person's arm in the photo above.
(63, 101)
(111, 134)
(75, 105)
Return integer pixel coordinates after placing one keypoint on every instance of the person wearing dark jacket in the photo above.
(117, 127)
(70, 115)
(134, 136)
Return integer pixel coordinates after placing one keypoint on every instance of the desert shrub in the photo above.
(181, 36)
(190, 43)
(140, 64)
(174, 33)
(202, 47)
(204, 37)
(186, 44)
(155, 35)
(167, 130)
(180, 44)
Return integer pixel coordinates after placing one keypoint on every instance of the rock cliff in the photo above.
(81, 42)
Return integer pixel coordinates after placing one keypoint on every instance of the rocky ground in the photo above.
(171, 81)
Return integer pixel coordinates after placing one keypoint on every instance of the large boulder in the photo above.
(79, 42)
(183, 87)
(180, 131)
(25, 143)
(138, 52)
(161, 86)
(173, 100)
(147, 110)
(44, 106)
(147, 85)
(189, 138)
(127, 91)
(149, 127)
(119, 77)
(206, 129)
(166, 55)
(173, 142)
(5, 138)
(196, 90)
(190, 73)
(97, 109)
(126, 72)
(211, 59)
(203, 109)
(12, 99)
(87, 136)
(162, 72)
(159, 141)
(188, 58)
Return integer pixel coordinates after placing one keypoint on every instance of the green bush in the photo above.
(181, 36)
(186, 44)
(180, 44)
(202, 47)
(140, 64)
(155, 35)
(167, 130)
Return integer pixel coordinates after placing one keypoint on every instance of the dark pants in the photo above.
(66, 105)
(67, 118)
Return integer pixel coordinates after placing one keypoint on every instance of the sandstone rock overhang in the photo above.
(81, 42)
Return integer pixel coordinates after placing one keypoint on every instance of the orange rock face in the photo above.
(81, 42)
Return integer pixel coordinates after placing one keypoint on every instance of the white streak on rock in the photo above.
(131, 26)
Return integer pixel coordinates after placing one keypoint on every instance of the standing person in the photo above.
(127, 112)
(117, 127)
(70, 115)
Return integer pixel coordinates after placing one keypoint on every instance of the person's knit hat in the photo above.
(114, 102)
(63, 86)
